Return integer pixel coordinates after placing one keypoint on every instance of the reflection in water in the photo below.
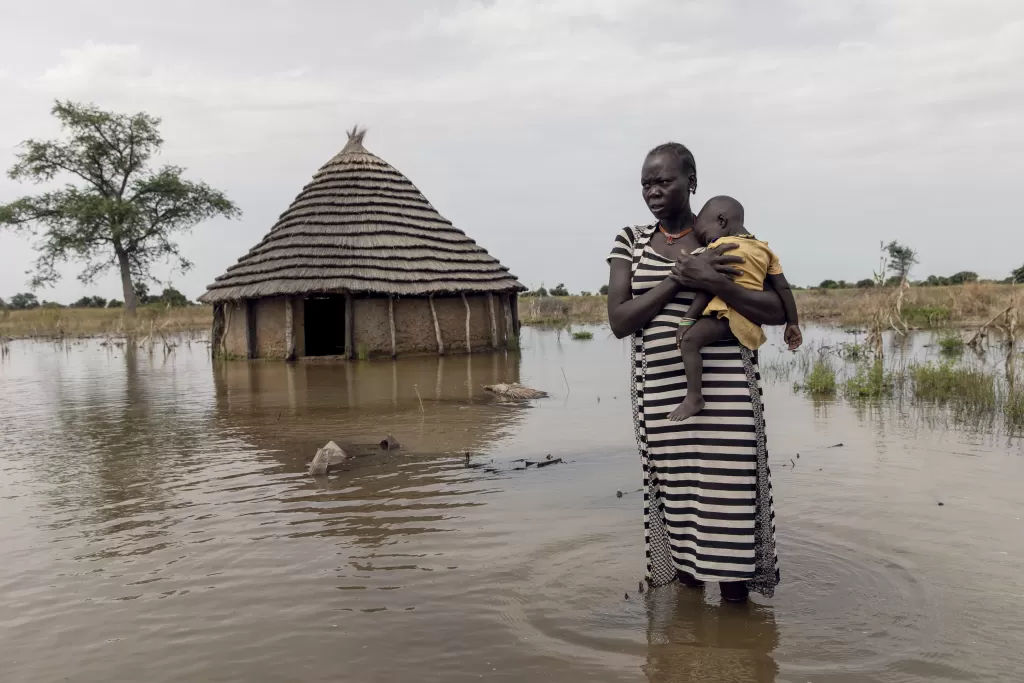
(691, 641)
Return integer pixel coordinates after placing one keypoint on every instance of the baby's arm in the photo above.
(781, 285)
(793, 336)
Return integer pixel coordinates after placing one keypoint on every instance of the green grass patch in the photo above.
(870, 381)
(853, 351)
(582, 334)
(820, 381)
(926, 316)
(943, 382)
(951, 344)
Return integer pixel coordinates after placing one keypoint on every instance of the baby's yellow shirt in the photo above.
(758, 260)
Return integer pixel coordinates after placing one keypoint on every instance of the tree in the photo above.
(865, 283)
(586, 293)
(173, 298)
(902, 258)
(115, 303)
(90, 302)
(828, 284)
(603, 291)
(963, 277)
(121, 212)
(24, 301)
(559, 290)
(1017, 275)
(142, 293)
(3, 304)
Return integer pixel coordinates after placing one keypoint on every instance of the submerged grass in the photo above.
(871, 380)
(582, 334)
(944, 382)
(951, 344)
(820, 381)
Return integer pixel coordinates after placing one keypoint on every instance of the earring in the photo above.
(693, 189)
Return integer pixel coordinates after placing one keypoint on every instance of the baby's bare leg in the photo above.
(704, 332)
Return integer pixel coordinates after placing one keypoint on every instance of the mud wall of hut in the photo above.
(414, 325)
(415, 333)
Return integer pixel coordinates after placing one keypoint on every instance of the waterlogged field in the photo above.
(157, 523)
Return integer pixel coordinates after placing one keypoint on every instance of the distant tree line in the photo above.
(898, 259)
(170, 296)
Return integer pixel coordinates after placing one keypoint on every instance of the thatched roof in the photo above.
(361, 226)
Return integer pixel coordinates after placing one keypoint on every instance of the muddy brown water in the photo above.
(156, 524)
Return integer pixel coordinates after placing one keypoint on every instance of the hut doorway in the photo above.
(324, 317)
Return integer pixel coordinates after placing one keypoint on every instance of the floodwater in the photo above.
(157, 524)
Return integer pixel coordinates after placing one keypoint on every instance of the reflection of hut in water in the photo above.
(431, 404)
(362, 263)
(288, 410)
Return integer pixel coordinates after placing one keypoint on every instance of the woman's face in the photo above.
(666, 190)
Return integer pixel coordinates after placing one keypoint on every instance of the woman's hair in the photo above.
(683, 156)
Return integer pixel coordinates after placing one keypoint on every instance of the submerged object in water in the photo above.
(390, 443)
(326, 458)
(516, 392)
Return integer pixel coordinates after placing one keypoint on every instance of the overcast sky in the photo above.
(837, 123)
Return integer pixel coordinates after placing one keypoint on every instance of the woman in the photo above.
(708, 512)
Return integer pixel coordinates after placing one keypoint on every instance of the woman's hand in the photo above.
(704, 271)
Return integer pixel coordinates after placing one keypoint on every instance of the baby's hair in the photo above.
(683, 156)
(726, 206)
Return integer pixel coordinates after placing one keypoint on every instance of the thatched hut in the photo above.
(360, 265)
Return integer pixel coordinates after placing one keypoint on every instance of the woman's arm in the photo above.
(709, 271)
(626, 314)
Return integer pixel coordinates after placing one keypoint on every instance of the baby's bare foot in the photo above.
(688, 408)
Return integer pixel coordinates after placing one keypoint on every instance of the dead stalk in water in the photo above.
(416, 388)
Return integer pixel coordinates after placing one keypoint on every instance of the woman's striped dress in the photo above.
(707, 488)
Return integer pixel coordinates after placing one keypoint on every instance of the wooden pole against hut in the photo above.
(391, 324)
(250, 328)
(350, 349)
(437, 327)
(465, 302)
(218, 330)
(289, 328)
(494, 321)
(509, 331)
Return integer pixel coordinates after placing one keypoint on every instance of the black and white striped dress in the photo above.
(708, 506)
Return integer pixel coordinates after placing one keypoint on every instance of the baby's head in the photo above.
(721, 216)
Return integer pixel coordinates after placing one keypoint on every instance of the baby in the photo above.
(709, 318)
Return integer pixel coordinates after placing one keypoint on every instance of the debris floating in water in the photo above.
(390, 443)
(515, 392)
(618, 494)
(838, 445)
(327, 457)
